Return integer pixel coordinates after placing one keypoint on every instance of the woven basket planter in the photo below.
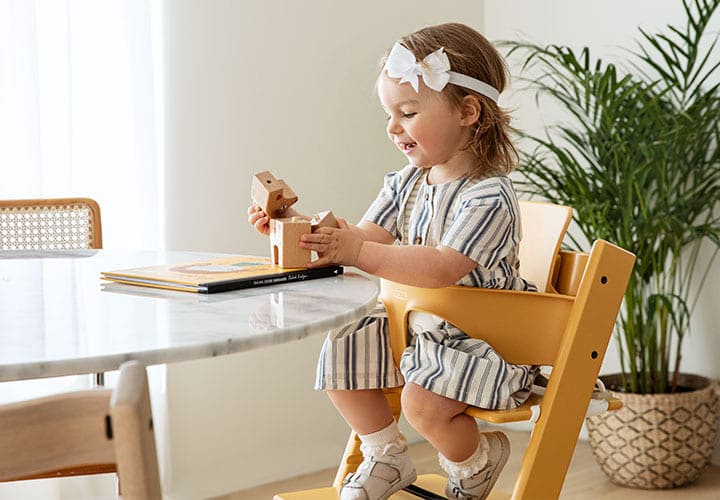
(657, 440)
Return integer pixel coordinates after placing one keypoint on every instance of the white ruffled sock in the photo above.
(471, 465)
(383, 442)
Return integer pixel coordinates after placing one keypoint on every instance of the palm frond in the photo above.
(637, 157)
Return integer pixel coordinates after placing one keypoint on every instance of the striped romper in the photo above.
(480, 219)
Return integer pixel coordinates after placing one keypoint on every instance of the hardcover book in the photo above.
(217, 275)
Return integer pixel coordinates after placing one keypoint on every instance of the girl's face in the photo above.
(424, 125)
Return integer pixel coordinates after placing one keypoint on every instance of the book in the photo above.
(217, 275)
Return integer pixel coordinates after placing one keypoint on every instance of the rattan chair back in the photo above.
(50, 224)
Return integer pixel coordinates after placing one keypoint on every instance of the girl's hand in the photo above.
(259, 219)
(333, 246)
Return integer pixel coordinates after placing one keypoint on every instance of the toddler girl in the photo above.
(455, 214)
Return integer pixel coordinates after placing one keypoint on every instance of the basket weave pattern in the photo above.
(657, 441)
(46, 227)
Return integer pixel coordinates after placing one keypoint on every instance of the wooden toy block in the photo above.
(323, 219)
(273, 195)
(285, 242)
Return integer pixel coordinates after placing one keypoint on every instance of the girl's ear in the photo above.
(469, 110)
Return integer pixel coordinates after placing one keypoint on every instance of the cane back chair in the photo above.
(50, 224)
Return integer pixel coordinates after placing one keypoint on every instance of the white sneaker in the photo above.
(479, 485)
(383, 471)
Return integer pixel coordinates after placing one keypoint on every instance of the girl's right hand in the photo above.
(259, 219)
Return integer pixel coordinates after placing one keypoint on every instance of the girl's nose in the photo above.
(393, 126)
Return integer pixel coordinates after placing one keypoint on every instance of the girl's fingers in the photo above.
(319, 262)
(318, 247)
(255, 209)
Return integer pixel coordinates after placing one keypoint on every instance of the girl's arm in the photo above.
(370, 232)
(416, 265)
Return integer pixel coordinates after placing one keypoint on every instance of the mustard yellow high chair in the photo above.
(566, 327)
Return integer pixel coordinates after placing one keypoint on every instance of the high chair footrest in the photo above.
(430, 482)
(317, 494)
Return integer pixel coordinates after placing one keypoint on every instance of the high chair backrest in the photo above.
(543, 228)
(74, 433)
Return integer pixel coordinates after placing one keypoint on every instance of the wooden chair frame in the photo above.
(85, 432)
(568, 330)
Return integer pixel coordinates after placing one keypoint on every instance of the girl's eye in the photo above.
(408, 115)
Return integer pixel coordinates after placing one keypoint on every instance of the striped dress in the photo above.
(479, 218)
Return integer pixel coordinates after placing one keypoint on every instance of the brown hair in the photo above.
(473, 55)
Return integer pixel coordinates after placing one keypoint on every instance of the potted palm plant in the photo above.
(639, 161)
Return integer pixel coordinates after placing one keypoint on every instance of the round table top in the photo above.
(58, 318)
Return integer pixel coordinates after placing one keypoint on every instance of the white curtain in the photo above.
(80, 116)
(79, 109)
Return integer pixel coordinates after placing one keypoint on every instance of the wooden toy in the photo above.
(285, 235)
(273, 195)
(323, 219)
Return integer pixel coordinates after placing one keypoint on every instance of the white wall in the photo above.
(287, 87)
(605, 27)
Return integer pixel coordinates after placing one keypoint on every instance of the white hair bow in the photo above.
(434, 70)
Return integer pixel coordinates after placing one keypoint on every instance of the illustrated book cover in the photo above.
(217, 275)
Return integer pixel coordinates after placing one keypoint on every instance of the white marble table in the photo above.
(58, 318)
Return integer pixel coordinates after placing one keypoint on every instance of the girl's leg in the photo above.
(359, 355)
(441, 421)
(365, 411)
(473, 461)
(386, 466)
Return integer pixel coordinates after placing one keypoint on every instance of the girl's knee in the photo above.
(419, 408)
(425, 410)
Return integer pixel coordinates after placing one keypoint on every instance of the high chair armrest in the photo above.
(499, 317)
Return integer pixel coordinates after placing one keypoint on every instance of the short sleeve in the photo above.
(385, 210)
(484, 229)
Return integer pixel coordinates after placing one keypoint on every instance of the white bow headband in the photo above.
(435, 72)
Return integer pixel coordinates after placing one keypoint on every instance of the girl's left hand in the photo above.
(333, 246)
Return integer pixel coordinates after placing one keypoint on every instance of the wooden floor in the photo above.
(584, 481)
